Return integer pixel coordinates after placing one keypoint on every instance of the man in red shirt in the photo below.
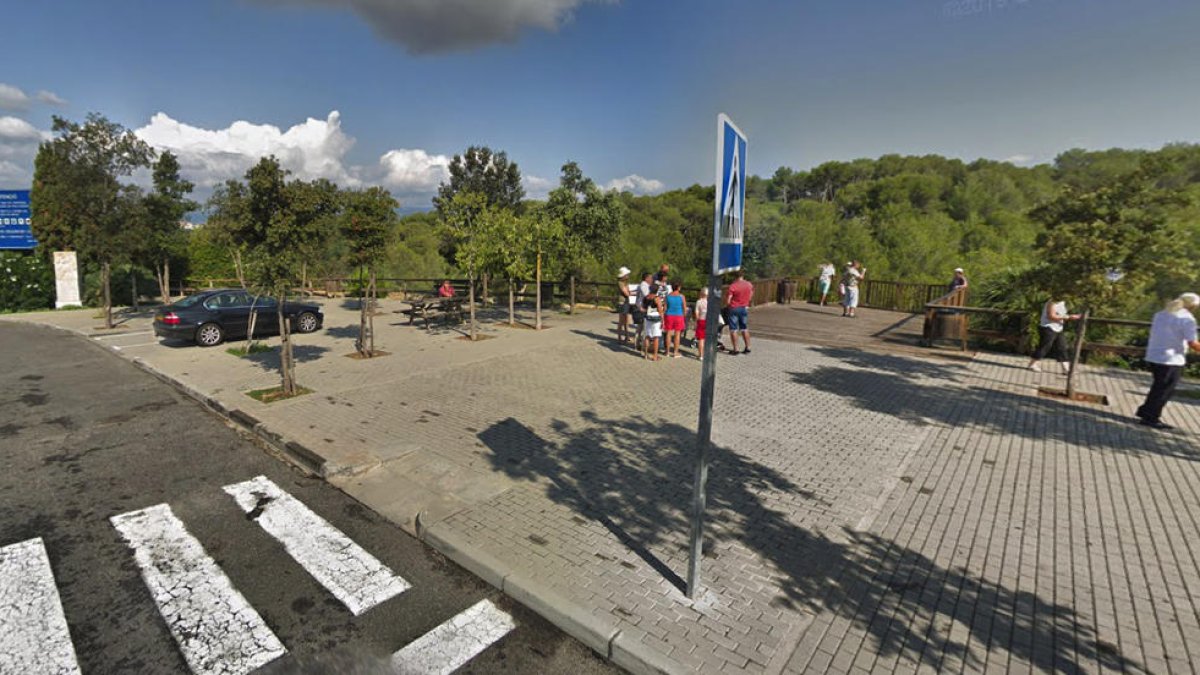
(738, 299)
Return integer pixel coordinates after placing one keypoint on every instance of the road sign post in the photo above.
(728, 228)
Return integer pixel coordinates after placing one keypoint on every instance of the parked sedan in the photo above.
(209, 317)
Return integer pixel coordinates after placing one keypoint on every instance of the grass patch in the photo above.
(274, 394)
(256, 348)
(1080, 396)
(1193, 394)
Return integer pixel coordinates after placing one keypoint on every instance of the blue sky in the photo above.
(628, 89)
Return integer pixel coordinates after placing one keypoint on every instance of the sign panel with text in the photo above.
(15, 219)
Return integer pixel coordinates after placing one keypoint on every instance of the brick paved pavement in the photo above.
(868, 512)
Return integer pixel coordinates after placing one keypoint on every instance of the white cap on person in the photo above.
(623, 272)
(958, 269)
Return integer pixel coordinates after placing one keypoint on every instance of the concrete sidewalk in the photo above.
(867, 512)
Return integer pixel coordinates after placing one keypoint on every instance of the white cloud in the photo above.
(50, 98)
(635, 184)
(18, 146)
(17, 130)
(12, 98)
(1020, 159)
(429, 26)
(537, 187)
(413, 171)
(312, 149)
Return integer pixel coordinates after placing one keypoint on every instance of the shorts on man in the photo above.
(739, 318)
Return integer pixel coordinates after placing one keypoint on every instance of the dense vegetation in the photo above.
(1063, 228)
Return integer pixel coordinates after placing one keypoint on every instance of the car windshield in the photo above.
(190, 300)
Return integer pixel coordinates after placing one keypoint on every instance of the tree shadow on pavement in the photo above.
(885, 384)
(270, 360)
(634, 475)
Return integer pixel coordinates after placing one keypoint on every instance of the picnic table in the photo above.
(430, 307)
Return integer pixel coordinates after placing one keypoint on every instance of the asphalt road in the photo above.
(84, 436)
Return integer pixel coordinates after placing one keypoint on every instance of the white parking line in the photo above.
(447, 647)
(354, 576)
(140, 344)
(33, 631)
(216, 629)
(121, 335)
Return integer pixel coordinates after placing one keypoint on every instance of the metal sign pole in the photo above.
(728, 198)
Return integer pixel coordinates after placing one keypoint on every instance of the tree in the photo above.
(513, 242)
(1125, 226)
(77, 192)
(486, 173)
(367, 220)
(545, 234)
(591, 220)
(165, 207)
(281, 222)
(464, 216)
(226, 226)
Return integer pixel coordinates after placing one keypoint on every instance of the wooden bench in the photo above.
(429, 308)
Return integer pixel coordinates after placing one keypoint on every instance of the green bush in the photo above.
(27, 282)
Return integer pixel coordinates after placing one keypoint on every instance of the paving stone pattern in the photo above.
(867, 512)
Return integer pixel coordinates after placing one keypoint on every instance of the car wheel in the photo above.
(209, 335)
(306, 322)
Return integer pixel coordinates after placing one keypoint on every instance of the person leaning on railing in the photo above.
(1050, 335)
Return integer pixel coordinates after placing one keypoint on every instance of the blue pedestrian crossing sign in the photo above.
(730, 202)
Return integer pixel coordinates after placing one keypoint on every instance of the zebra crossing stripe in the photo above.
(347, 571)
(216, 629)
(446, 648)
(33, 631)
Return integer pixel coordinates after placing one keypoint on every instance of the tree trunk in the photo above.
(237, 266)
(484, 288)
(167, 280)
(537, 324)
(304, 277)
(106, 292)
(251, 326)
(572, 294)
(287, 368)
(1080, 336)
(512, 314)
(371, 317)
(133, 288)
(361, 343)
(471, 302)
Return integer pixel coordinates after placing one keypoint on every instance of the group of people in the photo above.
(852, 275)
(658, 310)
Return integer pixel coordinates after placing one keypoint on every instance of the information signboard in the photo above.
(15, 218)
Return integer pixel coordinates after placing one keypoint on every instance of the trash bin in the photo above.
(948, 324)
(786, 292)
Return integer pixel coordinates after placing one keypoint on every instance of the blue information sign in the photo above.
(729, 225)
(14, 220)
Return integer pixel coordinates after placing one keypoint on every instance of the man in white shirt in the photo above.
(639, 314)
(1172, 333)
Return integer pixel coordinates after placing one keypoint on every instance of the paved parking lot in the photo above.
(868, 512)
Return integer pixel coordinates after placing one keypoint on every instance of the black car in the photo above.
(208, 317)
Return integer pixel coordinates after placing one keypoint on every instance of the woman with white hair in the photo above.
(1172, 333)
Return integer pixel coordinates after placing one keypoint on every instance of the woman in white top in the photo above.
(825, 281)
(1172, 334)
(1050, 334)
(626, 299)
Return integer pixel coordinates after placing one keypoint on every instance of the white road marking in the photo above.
(447, 647)
(354, 576)
(140, 344)
(216, 629)
(121, 335)
(33, 631)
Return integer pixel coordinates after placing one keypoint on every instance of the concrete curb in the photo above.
(291, 450)
(600, 632)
